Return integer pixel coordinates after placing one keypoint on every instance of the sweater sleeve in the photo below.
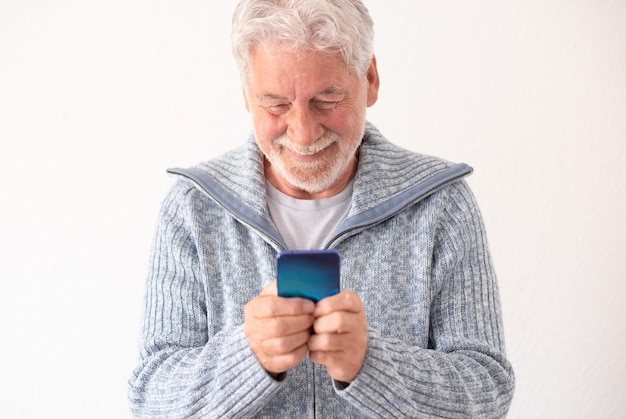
(186, 371)
(464, 371)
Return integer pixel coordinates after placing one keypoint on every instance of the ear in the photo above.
(373, 83)
(244, 91)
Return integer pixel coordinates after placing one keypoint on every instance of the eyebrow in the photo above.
(333, 90)
(270, 96)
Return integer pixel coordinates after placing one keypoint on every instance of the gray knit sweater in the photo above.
(413, 247)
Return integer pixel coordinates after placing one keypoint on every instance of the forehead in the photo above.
(274, 69)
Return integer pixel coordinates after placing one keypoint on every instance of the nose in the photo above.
(303, 126)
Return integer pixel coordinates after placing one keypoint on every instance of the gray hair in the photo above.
(331, 26)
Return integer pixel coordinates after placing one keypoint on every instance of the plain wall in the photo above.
(98, 98)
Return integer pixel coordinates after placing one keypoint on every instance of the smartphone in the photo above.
(312, 274)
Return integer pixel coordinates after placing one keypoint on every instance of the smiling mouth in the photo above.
(319, 147)
(309, 156)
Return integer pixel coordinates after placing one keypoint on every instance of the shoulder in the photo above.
(388, 173)
(382, 159)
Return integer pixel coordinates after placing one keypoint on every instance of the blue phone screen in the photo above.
(312, 274)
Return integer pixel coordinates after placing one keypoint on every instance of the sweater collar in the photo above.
(388, 179)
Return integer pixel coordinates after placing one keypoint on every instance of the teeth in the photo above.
(322, 143)
(308, 151)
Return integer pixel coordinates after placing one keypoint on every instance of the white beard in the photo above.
(315, 176)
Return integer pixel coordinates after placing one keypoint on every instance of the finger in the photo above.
(340, 365)
(331, 341)
(284, 326)
(285, 345)
(336, 322)
(269, 306)
(277, 353)
(270, 289)
(284, 362)
(328, 342)
(344, 301)
(259, 329)
(342, 355)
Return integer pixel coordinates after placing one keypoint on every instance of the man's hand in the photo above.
(340, 339)
(278, 329)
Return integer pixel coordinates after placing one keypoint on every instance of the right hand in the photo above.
(278, 329)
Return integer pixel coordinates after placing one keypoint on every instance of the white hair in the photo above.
(330, 26)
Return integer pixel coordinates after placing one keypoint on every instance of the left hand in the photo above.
(340, 339)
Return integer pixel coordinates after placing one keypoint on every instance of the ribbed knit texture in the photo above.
(423, 270)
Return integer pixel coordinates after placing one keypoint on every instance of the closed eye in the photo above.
(326, 105)
(277, 109)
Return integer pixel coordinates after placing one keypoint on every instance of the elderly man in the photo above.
(417, 331)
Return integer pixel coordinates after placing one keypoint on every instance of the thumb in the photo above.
(270, 289)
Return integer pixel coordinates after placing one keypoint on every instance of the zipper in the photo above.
(416, 193)
(218, 194)
(314, 400)
(252, 220)
(444, 178)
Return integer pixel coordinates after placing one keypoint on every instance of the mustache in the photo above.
(326, 140)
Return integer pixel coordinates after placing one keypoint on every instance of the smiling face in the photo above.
(308, 113)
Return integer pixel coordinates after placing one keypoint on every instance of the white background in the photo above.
(98, 98)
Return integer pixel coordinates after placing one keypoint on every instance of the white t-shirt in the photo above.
(307, 224)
